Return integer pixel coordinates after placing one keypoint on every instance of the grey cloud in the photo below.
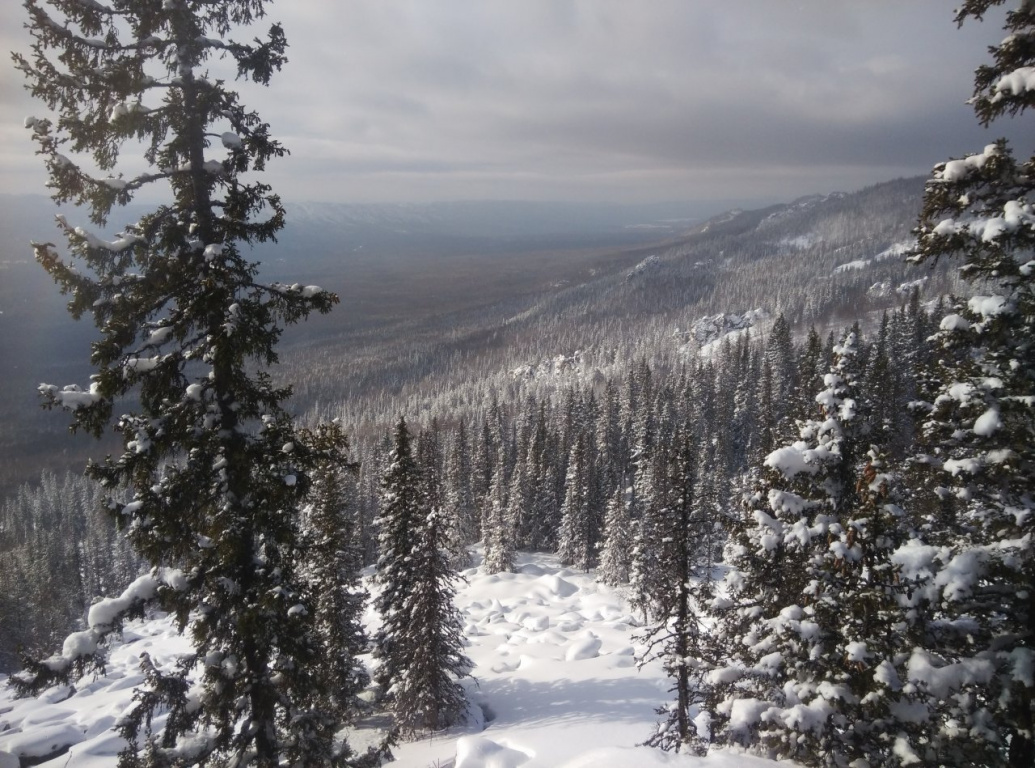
(443, 99)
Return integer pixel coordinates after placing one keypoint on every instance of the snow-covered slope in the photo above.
(557, 686)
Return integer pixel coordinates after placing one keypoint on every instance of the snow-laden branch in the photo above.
(83, 650)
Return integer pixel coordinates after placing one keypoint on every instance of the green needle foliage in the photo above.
(215, 471)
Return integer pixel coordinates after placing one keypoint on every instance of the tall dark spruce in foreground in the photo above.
(215, 470)
(977, 442)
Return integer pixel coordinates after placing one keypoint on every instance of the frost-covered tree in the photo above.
(428, 695)
(497, 534)
(419, 644)
(810, 368)
(401, 512)
(333, 555)
(678, 635)
(814, 616)
(611, 452)
(978, 432)
(617, 545)
(579, 533)
(215, 472)
(460, 510)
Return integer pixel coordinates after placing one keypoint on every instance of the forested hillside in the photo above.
(823, 261)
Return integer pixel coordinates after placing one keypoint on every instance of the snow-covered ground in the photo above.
(557, 686)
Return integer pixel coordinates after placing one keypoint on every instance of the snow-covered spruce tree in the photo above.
(520, 495)
(677, 635)
(419, 644)
(401, 510)
(617, 545)
(580, 529)
(645, 486)
(611, 453)
(333, 557)
(216, 474)
(497, 534)
(460, 509)
(432, 490)
(978, 436)
(910, 350)
(812, 619)
(646, 577)
(809, 370)
(544, 512)
(428, 695)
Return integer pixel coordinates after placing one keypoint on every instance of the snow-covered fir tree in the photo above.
(215, 472)
(678, 633)
(333, 557)
(618, 539)
(976, 498)
(428, 695)
(433, 494)
(611, 450)
(580, 527)
(419, 646)
(809, 371)
(460, 511)
(544, 513)
(497, 532)
(813, 616)
(399, 525)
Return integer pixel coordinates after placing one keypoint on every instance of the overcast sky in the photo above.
(587, 100)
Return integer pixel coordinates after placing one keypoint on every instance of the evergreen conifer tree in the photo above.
(399, 524)
(617, 546)
(497, 535)
(420, 643)
(978, 433)
(332, 551)
(649, 576)
(809, 377)
(677, 635)
(215, 471)
(428, 695)
(610, 451)
(815, 617)
(580, 529)
(460, 511)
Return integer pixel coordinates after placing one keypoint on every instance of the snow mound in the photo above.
(555, 586)
(586, 648)
(477, 752)
(44, 741)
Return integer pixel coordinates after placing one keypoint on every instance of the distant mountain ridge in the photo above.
(497, 218)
